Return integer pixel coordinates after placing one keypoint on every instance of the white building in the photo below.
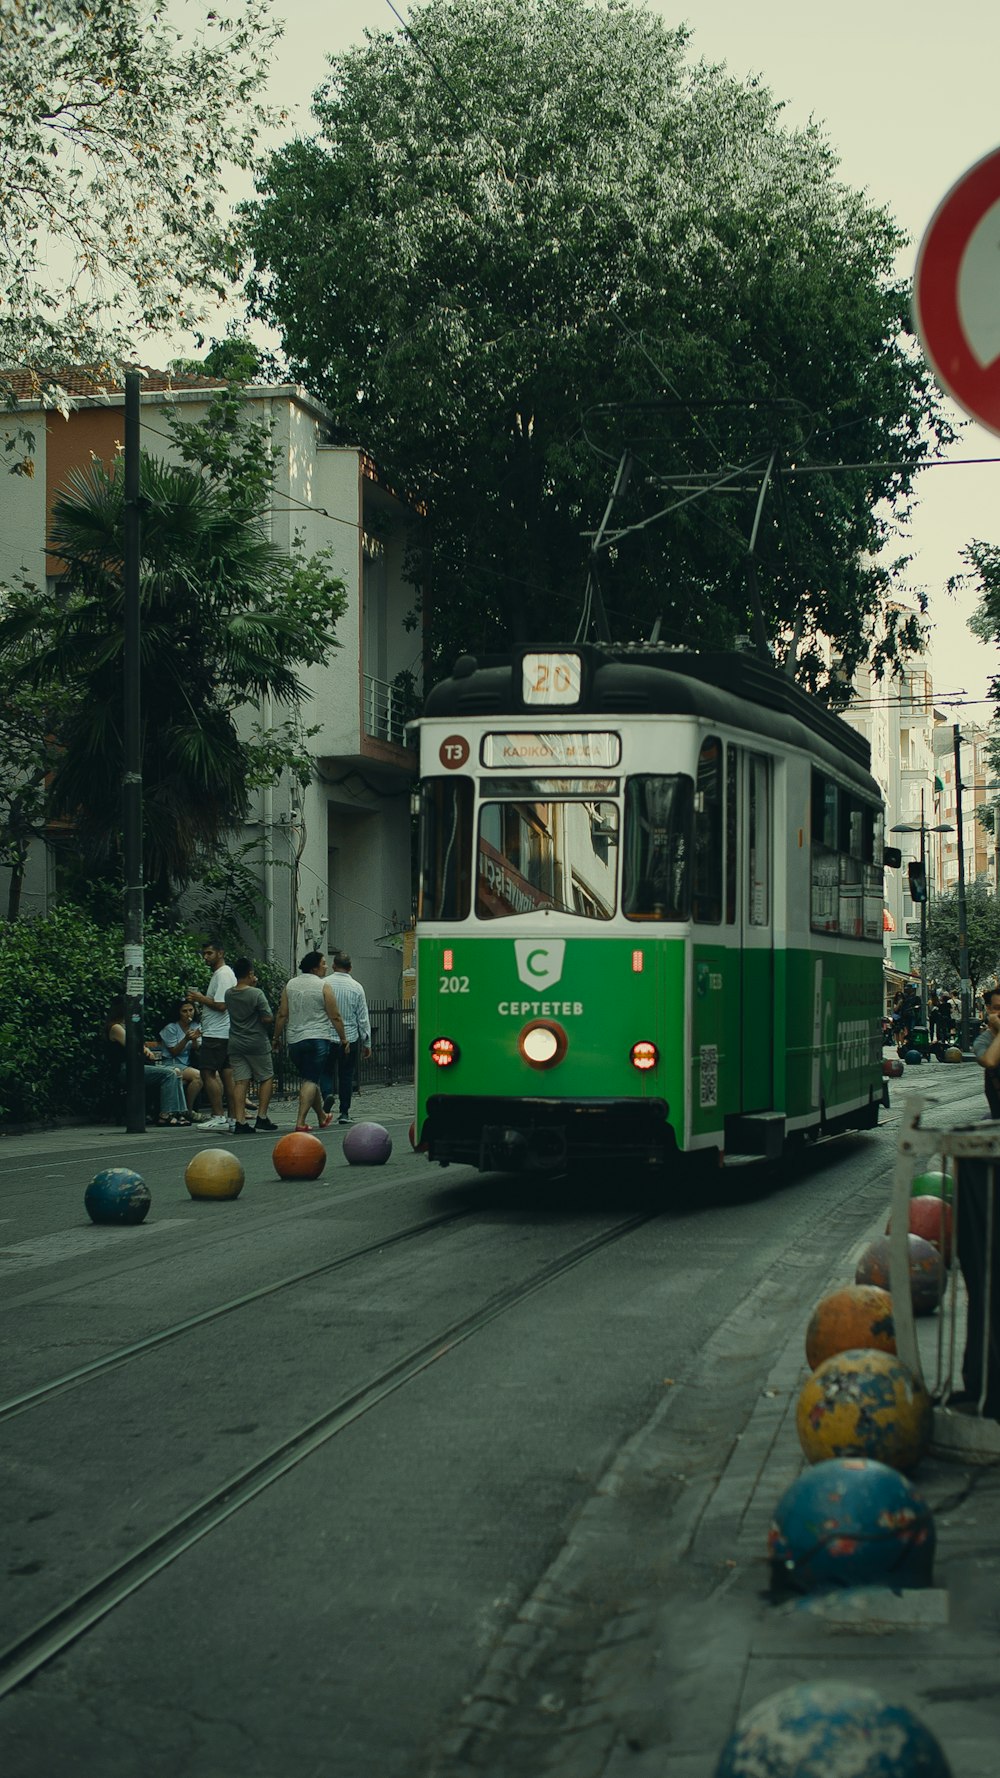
(334, 859)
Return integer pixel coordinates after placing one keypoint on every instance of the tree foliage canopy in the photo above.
(227, 618)
(528, 236)
(982, 928)
(117, 135)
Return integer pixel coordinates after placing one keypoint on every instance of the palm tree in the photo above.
(226, 617)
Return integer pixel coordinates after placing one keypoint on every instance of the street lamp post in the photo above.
(923, 830)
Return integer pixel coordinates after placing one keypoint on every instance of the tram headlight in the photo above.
(644, 1055)
(444, 1052)
(543, 1044)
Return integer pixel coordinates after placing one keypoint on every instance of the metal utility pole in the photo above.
(965, 1022)
(135, 1083)
(923, 915)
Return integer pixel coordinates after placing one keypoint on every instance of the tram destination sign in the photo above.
(956, 292)
(533, 749)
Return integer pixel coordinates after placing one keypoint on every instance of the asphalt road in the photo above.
(328, 1613)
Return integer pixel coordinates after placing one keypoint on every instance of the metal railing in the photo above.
(386, 711)
(964, 1333)
(391, 1060)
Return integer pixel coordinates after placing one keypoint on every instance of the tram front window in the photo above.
(444, 886)
(559, 854)
(657, 870)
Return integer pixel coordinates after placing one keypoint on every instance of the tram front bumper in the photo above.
(546, 1135)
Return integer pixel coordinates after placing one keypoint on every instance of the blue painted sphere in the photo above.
(117, 1195)
(821, 1728)
(367, 1145)
(913, 1058)
(851, 1522)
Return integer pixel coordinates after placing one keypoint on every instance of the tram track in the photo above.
(68, 1622)
(122, 1355)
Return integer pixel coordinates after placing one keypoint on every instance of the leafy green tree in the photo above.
(238, 359)
(58, 976)
(118, 134)
(529, 237)
(28, 753)
(982, 927)
(227, 618)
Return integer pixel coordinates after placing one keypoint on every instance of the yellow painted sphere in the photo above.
(864, 1404)
(214, 1173)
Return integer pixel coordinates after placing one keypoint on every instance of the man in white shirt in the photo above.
(353, 1006)
(213, 1055)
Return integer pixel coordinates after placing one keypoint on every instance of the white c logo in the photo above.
(539, 965)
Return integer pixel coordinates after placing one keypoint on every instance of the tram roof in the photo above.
(650, 679)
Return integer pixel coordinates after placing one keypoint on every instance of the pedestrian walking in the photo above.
(353, 1006)
(213, 1056)
(250, 1054)
(309, 1009)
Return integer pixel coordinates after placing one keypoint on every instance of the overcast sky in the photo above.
(909, 96)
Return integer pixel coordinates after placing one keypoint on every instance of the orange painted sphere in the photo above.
(864, 1404)
(299, 1155)
(927, 1272)
(931, 1219)
(855, 1318)
(214, 1173)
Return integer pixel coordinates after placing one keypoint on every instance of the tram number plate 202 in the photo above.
(708, 1075)
(454, 984)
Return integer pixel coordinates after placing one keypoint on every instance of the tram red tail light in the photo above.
(644, 1055)
(444, 1052)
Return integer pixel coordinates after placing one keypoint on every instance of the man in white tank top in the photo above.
(309, 1009)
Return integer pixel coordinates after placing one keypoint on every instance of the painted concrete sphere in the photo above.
(826, 1727)
(858, 1315)
(367, 1145)
(927, 1271)
(214, 1173)
(864, 1404)
(851, 1522)
(117, 1195)
(299, 1155)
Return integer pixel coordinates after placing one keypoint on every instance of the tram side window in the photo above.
(847, 836)
(824, 905)
(732, 825)
(657, 855)
(851, 848)
(873, 868)
(445, 880)
(706, 887)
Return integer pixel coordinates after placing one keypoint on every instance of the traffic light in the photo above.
(918, 882)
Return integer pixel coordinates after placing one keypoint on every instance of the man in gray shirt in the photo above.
(350, 996)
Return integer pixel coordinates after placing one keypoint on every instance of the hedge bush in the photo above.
(58, 976)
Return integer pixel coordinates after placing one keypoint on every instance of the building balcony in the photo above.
(386, 712)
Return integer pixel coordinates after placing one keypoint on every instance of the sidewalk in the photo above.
(654, 1630)
(390, 1105)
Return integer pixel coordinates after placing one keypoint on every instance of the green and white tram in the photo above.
(650, 913)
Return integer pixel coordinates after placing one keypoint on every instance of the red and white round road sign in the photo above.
(956, 291)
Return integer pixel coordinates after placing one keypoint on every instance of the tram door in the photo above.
(750, 789)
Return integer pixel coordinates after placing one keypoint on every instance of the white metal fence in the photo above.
(964, 1336)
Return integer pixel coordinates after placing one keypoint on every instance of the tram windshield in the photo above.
(560, 854)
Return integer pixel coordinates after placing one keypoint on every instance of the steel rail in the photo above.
(84, 1373)
(24, 1657)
